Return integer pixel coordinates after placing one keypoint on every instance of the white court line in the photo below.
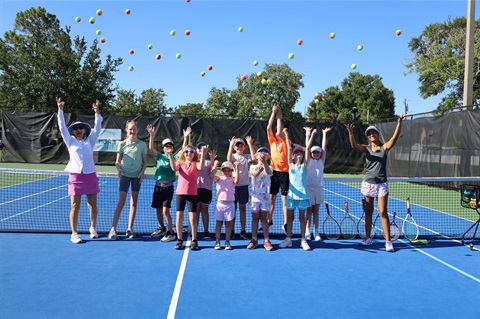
(178, 285)
(442, 262)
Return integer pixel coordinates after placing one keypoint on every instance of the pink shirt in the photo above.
(187, 178)
(225, 189)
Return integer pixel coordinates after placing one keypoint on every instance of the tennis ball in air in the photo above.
(202, 73)
(291, 55)
(353, 66)
(300, 42)
(178, 55)
(255, 63)
(150, 46)
(209, 68)
(332, 35)
(243, 78)
(264, 82)
(99, 12)
(187, 32)
(130, 68)
(324, 97)
(360, 47)
(127, 11)
(269, 81)
(91, 20)
(317, 101)
(398, 32)
(172, 33)
(102, 40)
(158, 57)
(240, 29)
(131, 52)
(78, 19)
(259, 74)
(98, 32)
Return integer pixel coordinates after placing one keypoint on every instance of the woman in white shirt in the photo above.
(80, 139)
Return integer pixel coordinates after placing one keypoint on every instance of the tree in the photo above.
(189, 109)
(255, 95)
(361, 98)
(439, 60)
(39, 60)
(150, 102)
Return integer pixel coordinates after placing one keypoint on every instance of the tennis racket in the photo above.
(331, 229)
(394, 229)
(361, 225)
(377, 227)
(348, 226)
(409, 226)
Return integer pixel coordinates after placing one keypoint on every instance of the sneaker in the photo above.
(206, 235)
(217, 246)
(284, 227)
(270, 224)
(113, 234)
(130, 234)
(366, 241)
(232, 236)
(389, 246)
(318, 237)
(286, 243)
(93, 232)
(168, 237)
(159, 232)
(308, 237)
(253, 244)
(194, 245)
(179, 244)
(267, 244)
(244, 234)
(75, 239)
(227, 245)
(305, 245)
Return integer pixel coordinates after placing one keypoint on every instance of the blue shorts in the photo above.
(301, 204)
(125, 182)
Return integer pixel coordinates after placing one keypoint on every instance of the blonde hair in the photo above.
(182, 157)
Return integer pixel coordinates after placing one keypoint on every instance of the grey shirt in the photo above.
(376, 170)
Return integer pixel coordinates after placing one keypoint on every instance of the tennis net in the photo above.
(37, 201)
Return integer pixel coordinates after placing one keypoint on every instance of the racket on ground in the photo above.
(348, 226)
(331, 229)
(394, 229)
(409, 226)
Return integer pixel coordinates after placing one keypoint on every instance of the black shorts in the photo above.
(162, 196)
(183, 200)
(277, 181)
(241, 195)
(204, 196)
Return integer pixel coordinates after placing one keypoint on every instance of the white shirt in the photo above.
(315, 173)
(81, 152)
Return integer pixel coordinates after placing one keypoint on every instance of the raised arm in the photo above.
(391, 142)
(279, 123)
(186, 133)
(271, 119)
(97, 128)
(61, 122)
(324, 142)
(230, 149)
(289, 145)
(151, 146)
(173, 164)
(309, 134)
(201, 163)
(213, 163)
(251, 147)
(351, 138)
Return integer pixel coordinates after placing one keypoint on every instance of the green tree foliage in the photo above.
(150, 102)
(255, 95)
(439, 60)
(361, 98)
(189, 109)
(39, 60)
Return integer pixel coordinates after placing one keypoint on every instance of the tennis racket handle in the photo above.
(346, 206)
(408, 202)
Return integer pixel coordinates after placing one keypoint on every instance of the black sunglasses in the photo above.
(78, 127)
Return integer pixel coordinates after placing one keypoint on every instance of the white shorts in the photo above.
(374, 190)
(316, 194)
(224, 211)
(259, 202)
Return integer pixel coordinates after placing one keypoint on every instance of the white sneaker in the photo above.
(168, 237)
(305, 245)
(75, 238)
(366, 241)
(217, 246)
(389, 246)
(286, 243)
(113, 234)
(318, 237)
(93, 232)
(308, 236)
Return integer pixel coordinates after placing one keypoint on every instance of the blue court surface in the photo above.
(46, 276)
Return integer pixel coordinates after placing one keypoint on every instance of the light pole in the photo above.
(468, 76)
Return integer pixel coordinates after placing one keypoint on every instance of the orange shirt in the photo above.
(278, 153)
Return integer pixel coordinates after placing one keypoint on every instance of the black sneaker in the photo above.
(206, 234)
(244, 234)
(179, 244)
(194, 245)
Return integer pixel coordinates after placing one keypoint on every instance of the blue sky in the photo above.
(270, 32)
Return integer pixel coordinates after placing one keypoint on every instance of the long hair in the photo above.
(182, 158)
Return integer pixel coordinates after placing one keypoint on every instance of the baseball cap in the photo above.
(298, 149)
(263, 150)
(239, 140)
(316, 149)
(227, 165)
(200, 145)
(167, 141)
(372, 128)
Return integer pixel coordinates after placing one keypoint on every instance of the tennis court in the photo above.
(44, 275)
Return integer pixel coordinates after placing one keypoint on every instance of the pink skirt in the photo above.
(82, 184)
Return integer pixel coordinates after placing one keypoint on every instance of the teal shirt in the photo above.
(132, 163)
(297, 189)
(164, 172)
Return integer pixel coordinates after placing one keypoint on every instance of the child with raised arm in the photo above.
(375, 184)
(315, 158)
(224, 209)
(187, 166)
(259, 197)
(131, 164)
(297, 196)
(163, 190)
(236, 153)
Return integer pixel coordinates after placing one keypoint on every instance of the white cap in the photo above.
(227, 165)
(316, 149)
(167, 141)
(372, 128)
